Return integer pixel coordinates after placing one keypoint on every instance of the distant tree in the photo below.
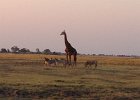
(47, 51)
(37, 50)
(14, 49)
(101, 54)
(3, 50)
(24, 50)
(8, 50)
(56, 53)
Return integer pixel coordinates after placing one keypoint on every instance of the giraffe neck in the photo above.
(66, 41)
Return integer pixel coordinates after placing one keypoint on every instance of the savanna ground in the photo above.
(24, 77)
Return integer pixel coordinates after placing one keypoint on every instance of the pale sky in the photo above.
(92, 26)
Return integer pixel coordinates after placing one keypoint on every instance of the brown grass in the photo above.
(24, 76)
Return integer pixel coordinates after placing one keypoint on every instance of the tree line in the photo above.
(16, 49)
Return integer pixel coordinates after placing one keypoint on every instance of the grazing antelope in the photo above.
(91, 62)
(49, 62)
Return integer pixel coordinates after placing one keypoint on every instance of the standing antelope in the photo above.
(91, 62)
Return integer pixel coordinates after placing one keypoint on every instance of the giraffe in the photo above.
(69, 50)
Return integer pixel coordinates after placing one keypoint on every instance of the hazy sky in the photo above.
(92, 26)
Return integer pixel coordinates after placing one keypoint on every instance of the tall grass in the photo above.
(103, 60)
(111, 60)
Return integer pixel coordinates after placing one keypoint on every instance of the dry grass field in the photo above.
(24, 77)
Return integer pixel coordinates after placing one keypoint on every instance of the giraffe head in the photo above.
(63, 33)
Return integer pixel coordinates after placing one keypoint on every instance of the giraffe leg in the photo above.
(75, 59)
(70, 59)
(67, 58)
